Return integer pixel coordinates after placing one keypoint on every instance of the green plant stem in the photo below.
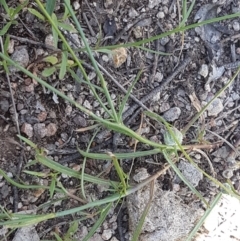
(192, 121)
(175, 30)
(89, 51)
(73, 55)
(118, 127)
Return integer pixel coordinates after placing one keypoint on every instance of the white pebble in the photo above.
(236, 26)
(107, 234)
(172, 114)
(204, 70)
(76, 5)
(215, 107)
(160, 15)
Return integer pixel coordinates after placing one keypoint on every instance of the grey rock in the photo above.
(192, 174)
(215, 107)
(164, 40)
(236, 26)
(221, 152)
(80, 121)
(26, 234)
(40, 130)
(172, 114)
(96, 237)
(27, 129)
(132, 13)
(204, 70)
(4, 105)
(153, 3)
(51, 129)
(141, 175)
(20, 56)
(167, 220)
(4, 191)
(161, 15)
(107, 234)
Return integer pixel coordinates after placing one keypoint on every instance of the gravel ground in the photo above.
(176, 86)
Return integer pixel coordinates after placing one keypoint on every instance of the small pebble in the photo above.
(191, 173)
(42, 116)
(4, 191)
(105, 58)
(20, 106)
(215, 107)
(141, 175)
(96, 237)
(108, 3)
(204, 70)
(153, 3)
(49, 40)
(236, 26)
(4, 105)
(20, 56)
(9, 174)
(158, 77)
(107, 234)
(76, 5)
(114, 239)
(87, 105)
(137, 32)
(164, 107)
(39, 130)
(80, 121)
(51, 129)
(172, 114)
(10, 48)
(68, 110)
(27, 129)
(164, 41)
(132, 13)
(29, 88)
(161, 15)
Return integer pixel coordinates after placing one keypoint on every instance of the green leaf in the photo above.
(68, 171)
(58, 238)
(105, 51)
(63, 67)
(50, 5)
(67, 27)
(99, 222)
(30, 143)
(36, 13)
(52, 187)
(153, 51)
(121, 108)
(169, 139)
(122, 176)
(51, 59)
(66, 12)
(71, 231)
(5, 6)
(130, 155)
(5, 28)
(48, 71)
(37, 174)
(54, 31)
(18, 9)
